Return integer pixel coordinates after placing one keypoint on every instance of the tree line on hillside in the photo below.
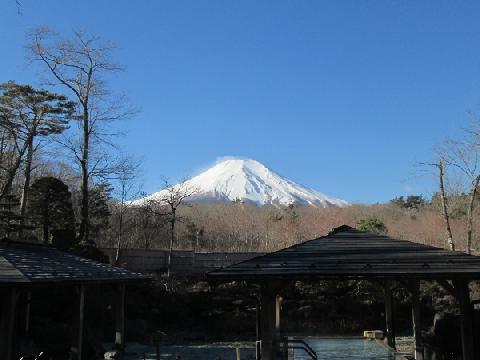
(243, 227)
(64, 182)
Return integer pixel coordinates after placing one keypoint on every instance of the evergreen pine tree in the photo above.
(99, 210)
(51, 206)
(27, 114)
(373, 225)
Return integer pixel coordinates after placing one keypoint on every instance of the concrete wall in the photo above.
(183, 262)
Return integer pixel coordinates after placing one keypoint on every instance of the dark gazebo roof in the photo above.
(30, 264)
(350, 253)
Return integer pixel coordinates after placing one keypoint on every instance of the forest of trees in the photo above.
(244, 227)
(64, 182)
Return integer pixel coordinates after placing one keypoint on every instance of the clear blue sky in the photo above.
(340, 96)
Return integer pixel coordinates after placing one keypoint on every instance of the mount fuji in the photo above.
(248, 181)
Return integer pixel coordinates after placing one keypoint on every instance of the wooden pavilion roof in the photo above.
(348, 253)
(30, 264)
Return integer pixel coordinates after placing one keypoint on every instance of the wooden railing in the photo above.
(299, 344)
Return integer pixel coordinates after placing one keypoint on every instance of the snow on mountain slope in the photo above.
(249, 181)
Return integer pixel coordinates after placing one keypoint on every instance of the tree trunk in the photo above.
(146, 242)
(446, 217)
(145, 225)
(120, 230)
(2, 148)
(197, 240)
(172, 238)
(389, 316)
(13, 171)
(46, 223)
(473, 195)
(84, 220)
(26, 185)
(45, 233)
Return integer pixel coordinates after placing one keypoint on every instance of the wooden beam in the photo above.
(79, 316)
(7, 324)
(389, 321)
(466, 317)
(257, 330)
(416, 321)
(11, 322)
(120, 318)
(269, 322)
(278, 302)
(27, 312)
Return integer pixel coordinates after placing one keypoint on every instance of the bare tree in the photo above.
(144, 222)
(125, 178)
(79, 65)
(464, 157)
(167, 203)
(446, 217)
(439, 166)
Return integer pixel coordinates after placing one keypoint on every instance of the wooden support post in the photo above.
(27, 313)
(237, 351)
(77, 333)
(466, 310)
(11, 322)
(120, 318)
(389, 321)
(258, 330)
(278, 301)
(7, 324)
(157, 338)
(269, 319)
(416, 321)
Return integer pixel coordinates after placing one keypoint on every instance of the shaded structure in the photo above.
(25, 267)
(349, 254)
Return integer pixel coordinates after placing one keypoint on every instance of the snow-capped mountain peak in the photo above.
(249, 181)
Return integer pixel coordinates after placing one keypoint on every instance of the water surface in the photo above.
(326, 349)
(345, 348)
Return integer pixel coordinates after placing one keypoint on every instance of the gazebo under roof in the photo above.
(34, 264)
(348, 253)
(25, 267)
